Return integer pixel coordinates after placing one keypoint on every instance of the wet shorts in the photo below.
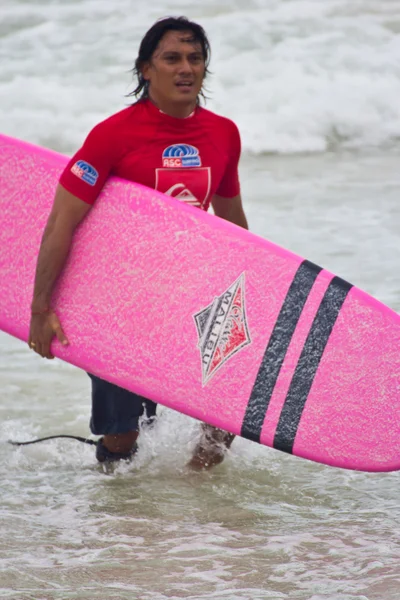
(116, 410)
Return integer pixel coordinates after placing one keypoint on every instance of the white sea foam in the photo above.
(296, 75)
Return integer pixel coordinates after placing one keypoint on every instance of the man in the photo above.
(165, 141)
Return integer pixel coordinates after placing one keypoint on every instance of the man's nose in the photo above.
(185, 66)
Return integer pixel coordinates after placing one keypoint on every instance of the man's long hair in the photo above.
(151, 40)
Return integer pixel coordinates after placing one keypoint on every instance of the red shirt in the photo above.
(190, 159)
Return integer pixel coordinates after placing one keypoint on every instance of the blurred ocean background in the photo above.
(314, 86)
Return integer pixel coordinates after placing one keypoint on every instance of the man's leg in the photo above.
(115, 416)
(212, 447)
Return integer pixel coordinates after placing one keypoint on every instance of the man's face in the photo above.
(176, 70)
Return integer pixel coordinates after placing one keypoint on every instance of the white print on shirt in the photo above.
(191, 186)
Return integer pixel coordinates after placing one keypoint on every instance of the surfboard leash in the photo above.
(53, 437)
(148, 423)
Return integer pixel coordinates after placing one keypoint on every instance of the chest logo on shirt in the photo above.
(181, 155)
(191, 186)
(86, 172)
(222, 329)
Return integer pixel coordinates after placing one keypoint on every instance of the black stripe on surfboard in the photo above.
(309, 360)
(278, 344)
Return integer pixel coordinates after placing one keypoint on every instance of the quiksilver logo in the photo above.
(222, 329)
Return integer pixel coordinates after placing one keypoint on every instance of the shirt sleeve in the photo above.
(87, 171)
(230, 185)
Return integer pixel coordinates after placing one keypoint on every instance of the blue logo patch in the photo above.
(86, 172)
(181, 155)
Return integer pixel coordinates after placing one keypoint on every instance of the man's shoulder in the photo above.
(122, 118)
(217, 120)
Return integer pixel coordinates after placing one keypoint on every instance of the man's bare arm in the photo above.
(230, 209)
(67, 212)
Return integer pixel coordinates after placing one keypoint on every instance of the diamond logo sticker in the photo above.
(222, 329)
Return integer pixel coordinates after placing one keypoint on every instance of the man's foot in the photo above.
(211, 449)
(122, 446)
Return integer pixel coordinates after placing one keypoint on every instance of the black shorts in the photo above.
(116, 410)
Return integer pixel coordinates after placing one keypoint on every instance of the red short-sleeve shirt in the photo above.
(190, 159)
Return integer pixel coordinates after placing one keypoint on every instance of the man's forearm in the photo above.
(53, 253)
(238, 218)
(230, 209)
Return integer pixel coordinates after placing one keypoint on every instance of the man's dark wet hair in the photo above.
(153, 37)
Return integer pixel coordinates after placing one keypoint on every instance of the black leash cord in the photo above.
(53, 437)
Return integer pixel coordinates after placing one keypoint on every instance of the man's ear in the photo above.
(145, 68)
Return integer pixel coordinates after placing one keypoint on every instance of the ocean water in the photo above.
(313, 86)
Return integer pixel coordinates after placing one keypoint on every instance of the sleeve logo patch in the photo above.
(86, 172)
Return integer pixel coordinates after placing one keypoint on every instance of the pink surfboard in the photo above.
(208, 319)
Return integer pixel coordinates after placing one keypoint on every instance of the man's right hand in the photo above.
(43, 328)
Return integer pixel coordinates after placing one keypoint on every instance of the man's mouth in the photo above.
(184, 84)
